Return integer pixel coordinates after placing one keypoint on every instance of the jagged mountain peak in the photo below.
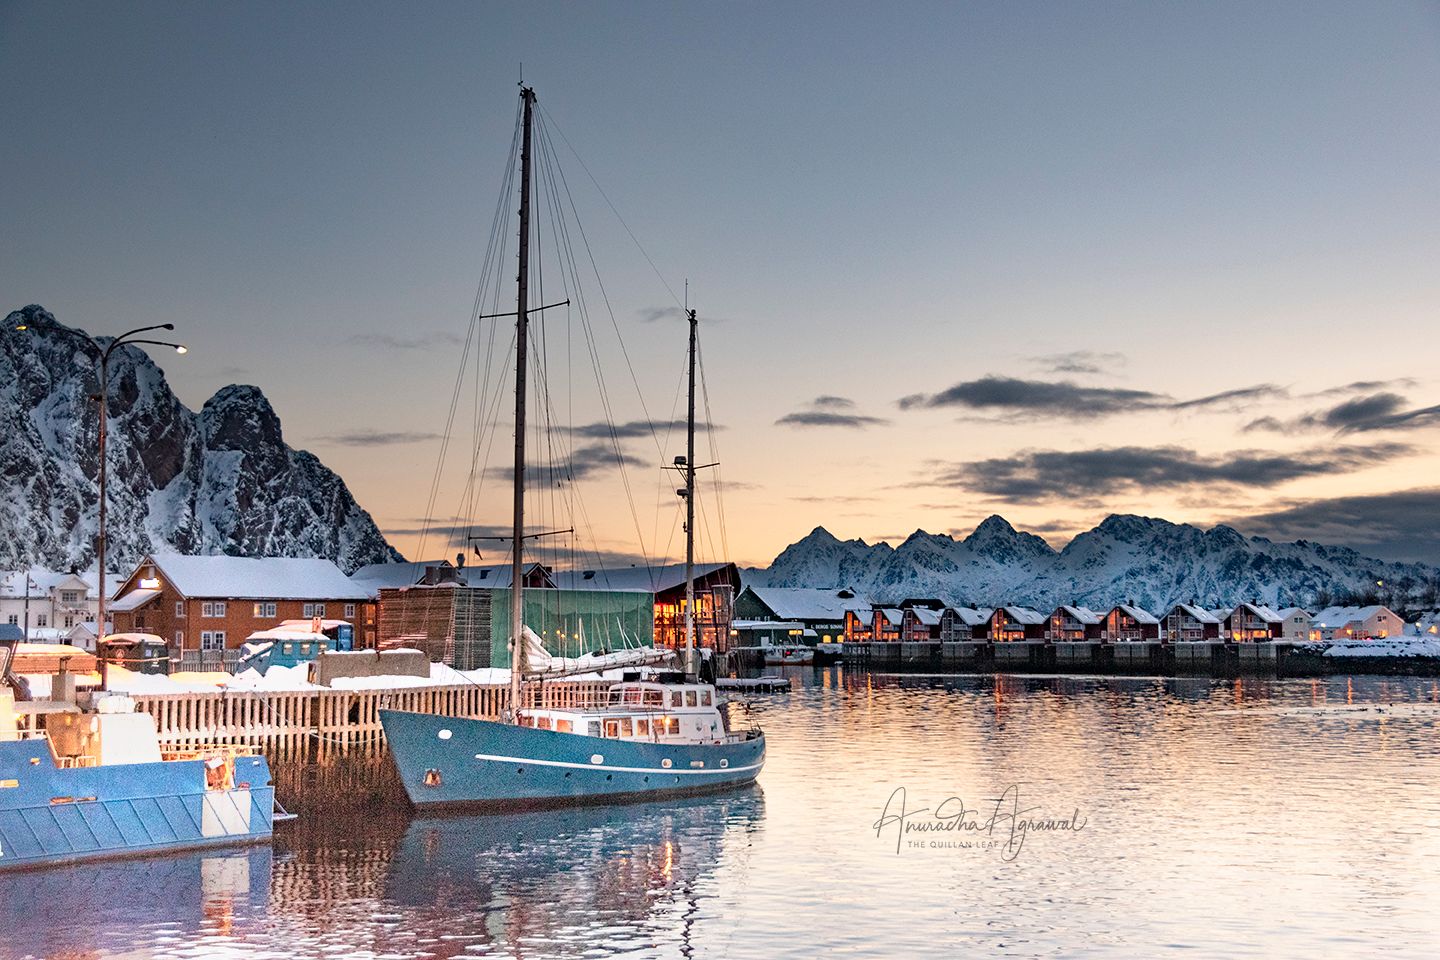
(218, 481)
(1149, 560)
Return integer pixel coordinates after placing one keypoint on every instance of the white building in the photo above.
(1297, 624)
(52, 607)
(1357, 623)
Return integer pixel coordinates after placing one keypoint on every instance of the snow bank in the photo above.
(1400, 647)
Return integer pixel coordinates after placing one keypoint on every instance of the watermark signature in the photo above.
(997, 823)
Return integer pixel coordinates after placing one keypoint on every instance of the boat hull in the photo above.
(51, 815)
(455, 763)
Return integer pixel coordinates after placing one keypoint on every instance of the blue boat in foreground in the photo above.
(97, 785)
(648, 740)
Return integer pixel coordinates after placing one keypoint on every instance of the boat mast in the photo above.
(517, 592)
(690, 504)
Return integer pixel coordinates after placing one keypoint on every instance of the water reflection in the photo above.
(591, 881)
(145, 904)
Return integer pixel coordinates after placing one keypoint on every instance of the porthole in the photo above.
(596, 758)
(724, 763)
(445, 734)
(665, 763)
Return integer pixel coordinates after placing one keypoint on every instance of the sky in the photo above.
(1046, 260)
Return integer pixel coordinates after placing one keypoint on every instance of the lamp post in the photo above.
(105, 353)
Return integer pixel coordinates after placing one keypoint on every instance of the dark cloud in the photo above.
(1401, 525)
(584, 461)
(827, 418)
(1080, 361)
(376, 438)
(1232, 398)
(825, 411)
(419, 341)
(1365, 413)
(1365, 386)
(1035, 399)
(1039, 475)
(632, 429)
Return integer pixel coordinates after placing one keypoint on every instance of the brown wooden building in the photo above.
(214, 603)
(1127, 623)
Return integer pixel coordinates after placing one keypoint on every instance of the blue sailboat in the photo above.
(661, 737)
(96, 785)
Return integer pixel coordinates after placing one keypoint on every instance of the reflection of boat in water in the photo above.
(563, 874)
(130, 906)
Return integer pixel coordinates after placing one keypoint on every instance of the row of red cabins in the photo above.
(929, 620)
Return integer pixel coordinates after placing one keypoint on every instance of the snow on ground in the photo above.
(1399, 647)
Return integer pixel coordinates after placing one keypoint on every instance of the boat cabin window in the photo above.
(565, 726)
(304, 648)
(592, 728)
(625, 729)
(673, 726)
(543, 723)
(287, 648)
(705, 698)
(612, 728)
(676, 698)
(654, 698)
(690, 698)
(642, 727)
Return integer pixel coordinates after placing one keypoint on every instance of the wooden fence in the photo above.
(289, 719)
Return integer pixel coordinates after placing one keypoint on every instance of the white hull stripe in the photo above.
(600, 766)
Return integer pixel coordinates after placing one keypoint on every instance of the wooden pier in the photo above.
(1210, 658)
(290, 719)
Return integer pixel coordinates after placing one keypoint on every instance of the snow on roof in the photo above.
(893, 615)
(1198, 613)
(1139, 615)
(1025, 615)
(1287, 612)
(1339, 616)
(135, 599)
(767, 625)
(926, 616)
(1261, 611)
(1082, 614)
(376, 576)
(656, 579)
(970, 616)
(801, 603)
(259, 578)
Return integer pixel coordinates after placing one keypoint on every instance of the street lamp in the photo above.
(105, 353)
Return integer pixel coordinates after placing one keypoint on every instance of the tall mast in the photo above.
(690, 502)
(517, 577)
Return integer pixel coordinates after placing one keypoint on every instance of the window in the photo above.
(675, 699)
(612, 728)
(319, 609)
(592, 728)
(264, 610)
(180, 639)
(542, 723)
(674, 724)
(689, 698)
(215, 608)
(179, 609)
(704, 698)
(69, 622)
(642, 727)
(308, 610)
(69, 596)
(564, 726)
(287, 648)
(212, 640)
(14, 619)
(42, 621)
(625, 729)
(349, 611)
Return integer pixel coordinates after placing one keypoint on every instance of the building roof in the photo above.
(1261, 611)
(1139, 615)
(970, 616)
(656, 579)
(373, 577)
(804, 603)
(927, 616)
(1023, 615)
(1198, 613)
(1287, 612)
(893, 615)
(1083, 614)
(1340, 616)
(768, 625)
(8, 631)
(134, 600)
(257, 578)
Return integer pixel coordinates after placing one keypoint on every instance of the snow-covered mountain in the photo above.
(1152, 562)
(220, 481)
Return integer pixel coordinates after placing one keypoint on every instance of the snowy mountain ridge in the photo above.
(1152, 562)
(218, 481)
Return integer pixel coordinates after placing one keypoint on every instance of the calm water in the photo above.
(1220, 818)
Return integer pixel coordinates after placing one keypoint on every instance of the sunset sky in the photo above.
(1046, 260)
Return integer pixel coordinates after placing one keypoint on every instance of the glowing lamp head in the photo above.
(21, 327)
(182, 349)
